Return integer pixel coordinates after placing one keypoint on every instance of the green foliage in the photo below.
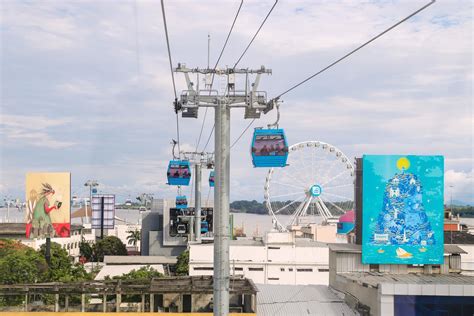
(463, 211)
(23, 266)
(134, 237)
(86, 251)
(144, 273)
(109, 246)
(182, 266)
(248, 207)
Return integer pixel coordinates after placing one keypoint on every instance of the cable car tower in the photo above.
(254, 102)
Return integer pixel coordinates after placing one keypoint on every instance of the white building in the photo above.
(70, 244)
(280, 258)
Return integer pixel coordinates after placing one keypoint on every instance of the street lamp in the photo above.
(91, 184)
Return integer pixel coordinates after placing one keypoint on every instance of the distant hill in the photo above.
(459, 203)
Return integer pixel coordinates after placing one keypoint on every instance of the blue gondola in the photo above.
(179, 172)
(269, 148)
(211, 179)
(181, 202)
(204, 227)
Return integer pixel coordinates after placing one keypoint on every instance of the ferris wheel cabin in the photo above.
(179, 172)
(269, 148)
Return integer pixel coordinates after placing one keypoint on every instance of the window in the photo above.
(203, 268)
(374, 268)
(282, 269)
(290, 269)
(273, 279)
(323, 270)
(304, 270)
(275, 248)
(238, 269)
(255, 269)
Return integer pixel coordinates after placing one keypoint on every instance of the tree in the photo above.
(134, 237)
(23, 266)
(182, 266)
(109, 246)
(144, 273)
(86, 251)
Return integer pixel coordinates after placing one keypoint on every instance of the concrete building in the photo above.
(400, 289)
(16, 231)
(278, 258)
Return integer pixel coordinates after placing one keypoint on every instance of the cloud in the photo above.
(97, 92)
(33, 130)
(460, 184)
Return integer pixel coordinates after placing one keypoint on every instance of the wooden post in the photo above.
(118, 302)
(26, 302)
(56, 302)
(66, 303)
(83, 302)
(104, 303)
(143, 303)
(152, 302)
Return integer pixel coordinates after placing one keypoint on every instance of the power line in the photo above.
(176, 107)
(355, 50)
(213, 74)
(253, 38)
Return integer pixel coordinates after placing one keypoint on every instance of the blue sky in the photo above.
(86, 89)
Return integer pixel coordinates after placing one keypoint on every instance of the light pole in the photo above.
(91, 184)
(451, 203)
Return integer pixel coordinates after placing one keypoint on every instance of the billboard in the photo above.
(402, 209)
(48, 211)
(109, 211)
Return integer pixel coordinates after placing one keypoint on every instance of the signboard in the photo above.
(402, 209)
(48, 208)
(108, 211)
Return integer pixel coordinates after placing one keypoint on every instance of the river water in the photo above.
(253, 224)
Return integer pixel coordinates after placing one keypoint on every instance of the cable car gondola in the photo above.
(181, 202)
(179, 172)
(269, 148)
(211, 179)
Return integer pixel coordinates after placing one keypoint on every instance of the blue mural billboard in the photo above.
(402, 207)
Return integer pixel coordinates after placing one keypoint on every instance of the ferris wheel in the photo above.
(318, 181)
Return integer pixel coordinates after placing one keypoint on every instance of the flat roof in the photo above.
(300, 300)
(354, 248)
(414, 284)
(126, 260)
(460, 238)
(375, 279)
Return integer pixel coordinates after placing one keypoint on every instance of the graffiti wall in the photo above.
(402, 209)
(48, 207)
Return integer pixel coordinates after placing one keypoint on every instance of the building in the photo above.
(465, 241)
(398, 289)
(278, 258)
(70, 244)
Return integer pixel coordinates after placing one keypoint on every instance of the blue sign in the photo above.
(94, 190)
(403, 199)
(316, 190)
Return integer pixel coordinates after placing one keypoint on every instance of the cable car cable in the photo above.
(253, 38)
(176, 104)
(355, 50)
(215, 66)
(242, 134)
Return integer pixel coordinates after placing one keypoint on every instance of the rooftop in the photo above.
(460, 238)
(118, 270)
(354, 248)
(126, 260)
(299, 300)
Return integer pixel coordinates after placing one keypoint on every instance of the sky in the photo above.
(86, 86)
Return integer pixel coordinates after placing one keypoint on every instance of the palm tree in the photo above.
(133, 237)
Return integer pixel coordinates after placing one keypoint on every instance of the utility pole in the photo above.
(198, 159)
(254, 103)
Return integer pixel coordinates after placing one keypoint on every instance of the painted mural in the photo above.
(403, 199)
(48, 198)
